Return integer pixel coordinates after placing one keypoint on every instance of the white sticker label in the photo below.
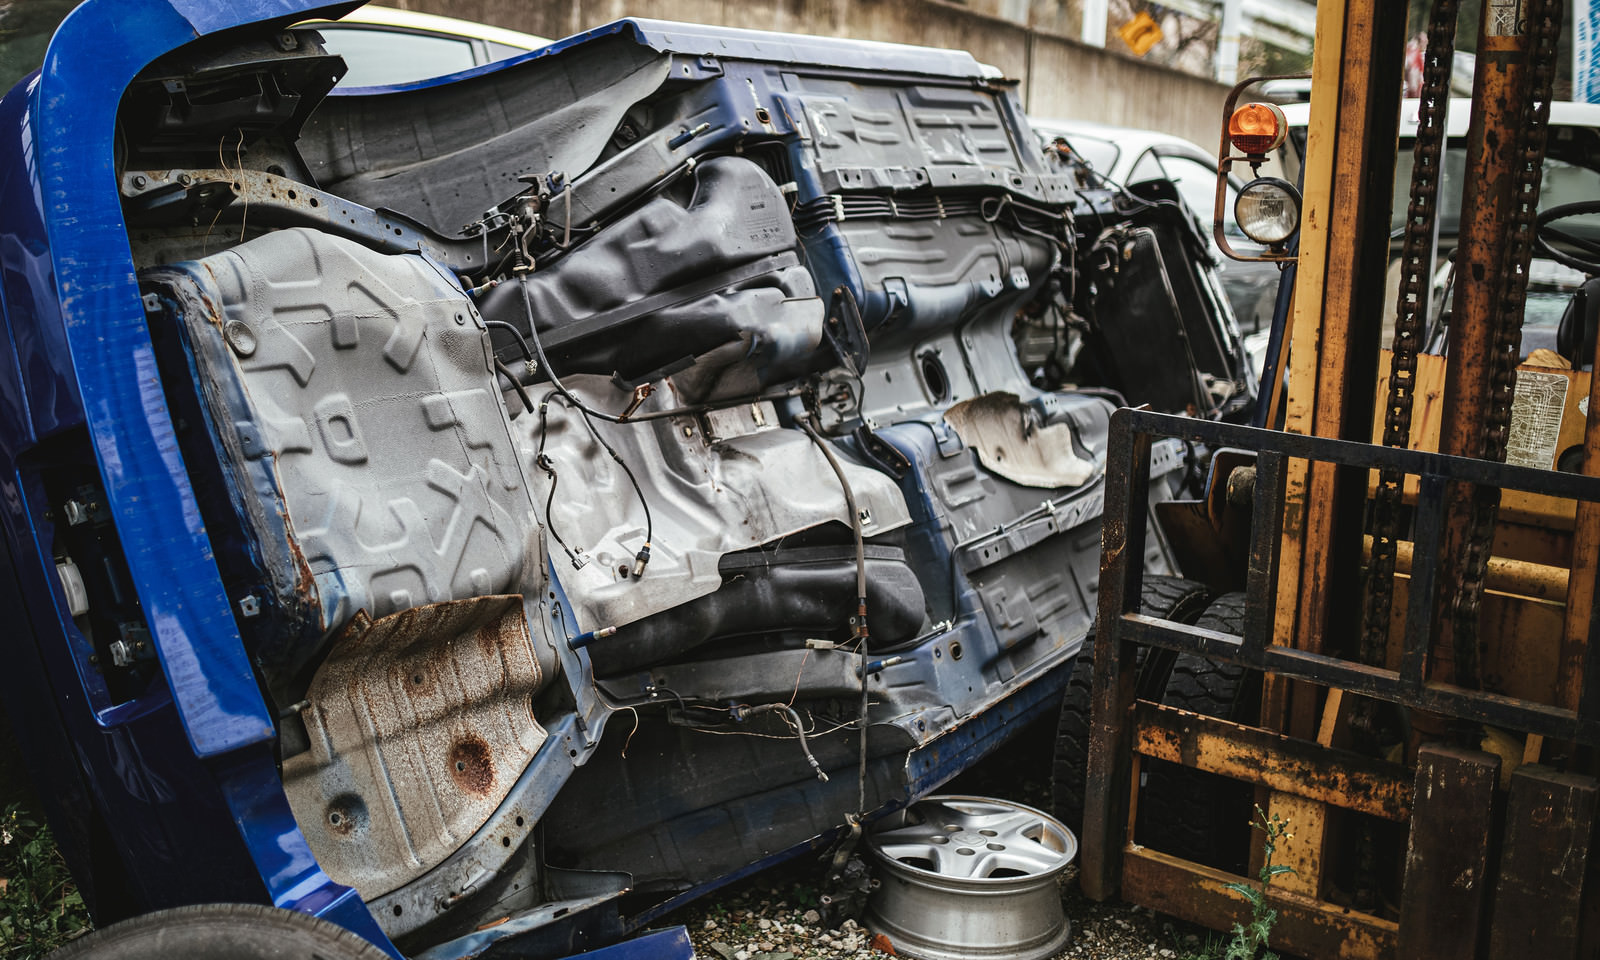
(1505, 19)
(1536, 419)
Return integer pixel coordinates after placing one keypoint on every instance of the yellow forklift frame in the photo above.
(1495, 792)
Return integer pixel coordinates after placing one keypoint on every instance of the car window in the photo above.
(1100, 154)
(1148, 167)
(1566, 182)
(1455, 168)
(1198, 184)
(1570, 175)
(378, 56)
(503, 51)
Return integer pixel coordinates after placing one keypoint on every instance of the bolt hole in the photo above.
(1571, 460)
(989, 833)
(397, 910)
(955, 649)
(461, 766)
(506, 842)
(965, 851)
(519, 821)
(933, 375)
(997, 846)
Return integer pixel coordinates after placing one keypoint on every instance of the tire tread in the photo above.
(1169, 597)
(221, 931)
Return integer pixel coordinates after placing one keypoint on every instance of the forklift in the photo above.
(1401, 554)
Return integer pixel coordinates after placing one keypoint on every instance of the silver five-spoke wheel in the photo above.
(971, 877)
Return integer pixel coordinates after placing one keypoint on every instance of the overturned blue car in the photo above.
(486, 513)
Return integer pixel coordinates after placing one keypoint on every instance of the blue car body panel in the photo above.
(94, 347)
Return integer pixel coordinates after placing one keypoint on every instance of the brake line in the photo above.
(858, 623)
(642, 558)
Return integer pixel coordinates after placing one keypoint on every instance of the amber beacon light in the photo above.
(1257, 128)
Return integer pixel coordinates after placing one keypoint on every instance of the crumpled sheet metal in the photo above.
(1010, 442)
(419, 724)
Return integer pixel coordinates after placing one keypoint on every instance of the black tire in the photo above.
(1202, 816)
(221, 931)
(1171, 598)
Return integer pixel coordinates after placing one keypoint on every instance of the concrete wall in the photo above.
(1060, 77)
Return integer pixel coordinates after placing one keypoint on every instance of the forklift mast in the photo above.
(1406, 678)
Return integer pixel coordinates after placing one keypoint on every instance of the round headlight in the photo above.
(1268, 210)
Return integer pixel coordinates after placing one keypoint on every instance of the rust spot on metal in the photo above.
(305, 581)
(1281, 763)
(472, 765)
(213, 312)
(420, 680)
(493, 636)
(431, 707)
(344, 815)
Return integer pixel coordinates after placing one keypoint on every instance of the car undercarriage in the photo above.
(625, 465)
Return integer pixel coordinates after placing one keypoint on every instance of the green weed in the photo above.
(40, 908)
(1249, 940)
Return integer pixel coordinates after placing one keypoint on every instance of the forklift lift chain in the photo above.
(1544, 20)
(1415, 284)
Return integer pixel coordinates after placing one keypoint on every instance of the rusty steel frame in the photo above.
(1123, 727)
(1349, 171)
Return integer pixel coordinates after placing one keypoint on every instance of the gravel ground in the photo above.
(774, 915)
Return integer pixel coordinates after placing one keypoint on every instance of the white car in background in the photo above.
(1127, 155)
(1571, 174)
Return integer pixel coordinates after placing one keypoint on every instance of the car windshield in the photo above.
(1097, 153)
(1571, 174)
